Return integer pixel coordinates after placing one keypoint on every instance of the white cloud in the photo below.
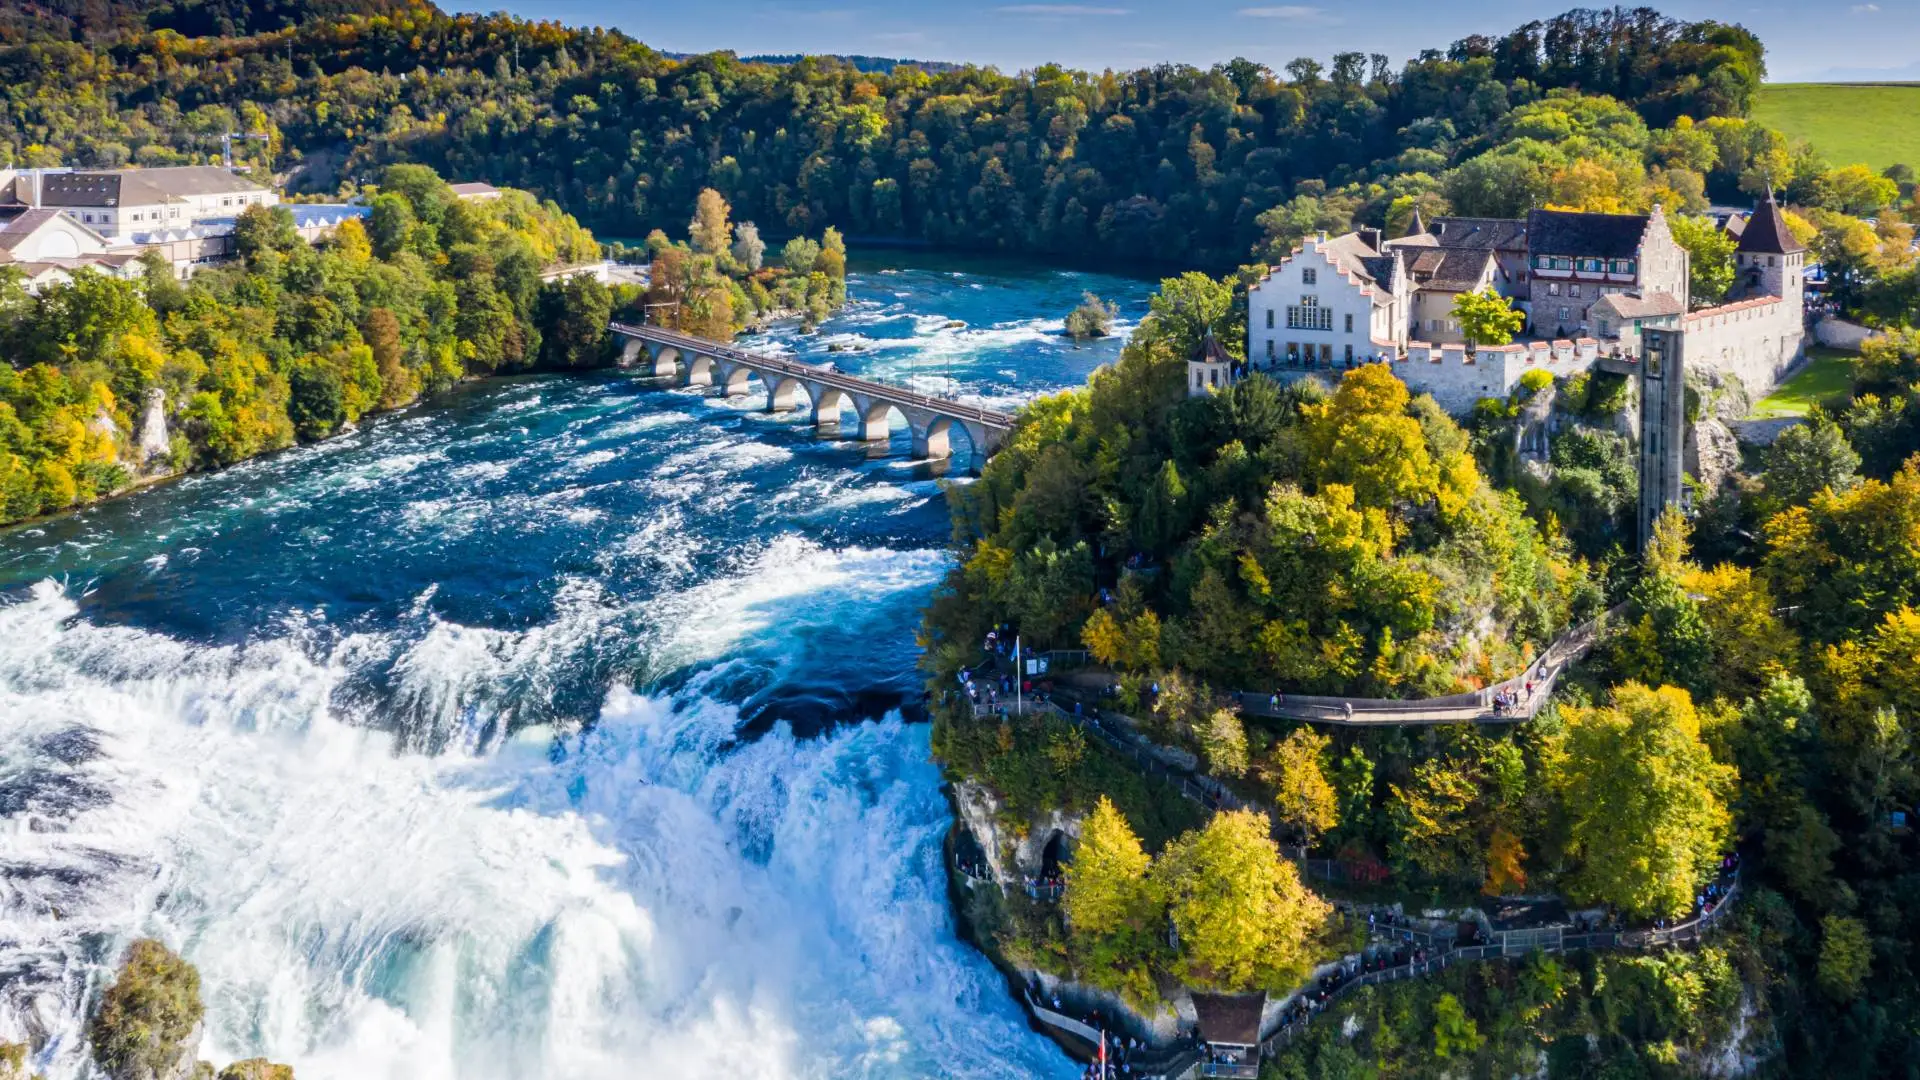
(1864, 9)
(903, 37)
(1061, 10)
(1299, 13)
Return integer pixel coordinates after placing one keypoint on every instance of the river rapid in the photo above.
(551, 729)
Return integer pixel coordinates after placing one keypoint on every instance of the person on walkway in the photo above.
(1348, 705)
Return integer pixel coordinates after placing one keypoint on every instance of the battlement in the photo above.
(1457, 378)
(1759, 307)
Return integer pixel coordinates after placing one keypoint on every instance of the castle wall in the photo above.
(1457, 381)
(1837, 333)
(1757, 340)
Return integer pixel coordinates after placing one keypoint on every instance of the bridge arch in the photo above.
(737, 379)
(828, 405)
(782, 391)
(704, 370)
(666, 360)
(876, 420)
(933, 438)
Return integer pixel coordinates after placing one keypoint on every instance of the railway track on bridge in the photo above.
(812, 373)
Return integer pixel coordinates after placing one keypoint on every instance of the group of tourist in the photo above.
(1717, 891)
(1511, 698)
(1115, 1058)
(1047, 888)
(974, 867)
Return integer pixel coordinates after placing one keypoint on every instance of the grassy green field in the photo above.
(1828, 373)
(1875, 124)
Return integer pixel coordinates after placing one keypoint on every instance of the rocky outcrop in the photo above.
(13, 1062)
(1713, 455)
(102, 423)
(1012, 854)
(979, 813)
(1029, 852)
(148, 1023)
(155, 444)
(1712, 452)
(256, 1069)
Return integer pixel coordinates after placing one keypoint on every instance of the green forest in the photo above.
(1172, 163)
(1598, 110)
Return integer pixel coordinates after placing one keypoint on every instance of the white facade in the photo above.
(1319, 306)
(118, 203)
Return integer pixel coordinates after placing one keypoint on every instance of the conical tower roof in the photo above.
(1211, 351)
(1767, 233)
(1416, 225)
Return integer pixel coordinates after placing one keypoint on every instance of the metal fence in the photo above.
(1508, 944)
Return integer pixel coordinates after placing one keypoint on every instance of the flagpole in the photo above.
(1019, 669)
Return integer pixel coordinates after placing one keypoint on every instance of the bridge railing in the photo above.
(839, 380)
(1531, 688)
(1512, 943)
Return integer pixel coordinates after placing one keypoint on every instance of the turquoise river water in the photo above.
(551, 729)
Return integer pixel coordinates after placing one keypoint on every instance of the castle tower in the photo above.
(1769, 261)
(1663, 425)
(1209, 369)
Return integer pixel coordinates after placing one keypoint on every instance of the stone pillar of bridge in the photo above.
(666, 361)
(781, 389)
(873, 420)
(827, 403)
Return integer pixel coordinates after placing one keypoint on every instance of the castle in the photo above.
(1588, 284)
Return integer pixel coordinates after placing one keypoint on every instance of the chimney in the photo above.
(1371, 238)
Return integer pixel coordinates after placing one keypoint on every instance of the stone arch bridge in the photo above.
(699, 362)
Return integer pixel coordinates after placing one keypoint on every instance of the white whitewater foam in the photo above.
(655, 901)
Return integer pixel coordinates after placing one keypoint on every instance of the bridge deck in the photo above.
(838, 380)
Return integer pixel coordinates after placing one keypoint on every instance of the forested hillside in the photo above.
(1171, 163)
(287, 344)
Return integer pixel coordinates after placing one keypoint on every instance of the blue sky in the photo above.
(1806, 40)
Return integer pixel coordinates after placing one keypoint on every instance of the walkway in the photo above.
(1512, 701)
(1438, 949)
(1311, 1000)
(700, 362)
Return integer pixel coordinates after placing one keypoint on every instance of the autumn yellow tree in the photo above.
(1242, 917)
(1303, 797)
(1223, 739)
(710, 232)
(1111, 906)
(1647, 799)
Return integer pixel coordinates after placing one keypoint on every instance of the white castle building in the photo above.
(1588, 284)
